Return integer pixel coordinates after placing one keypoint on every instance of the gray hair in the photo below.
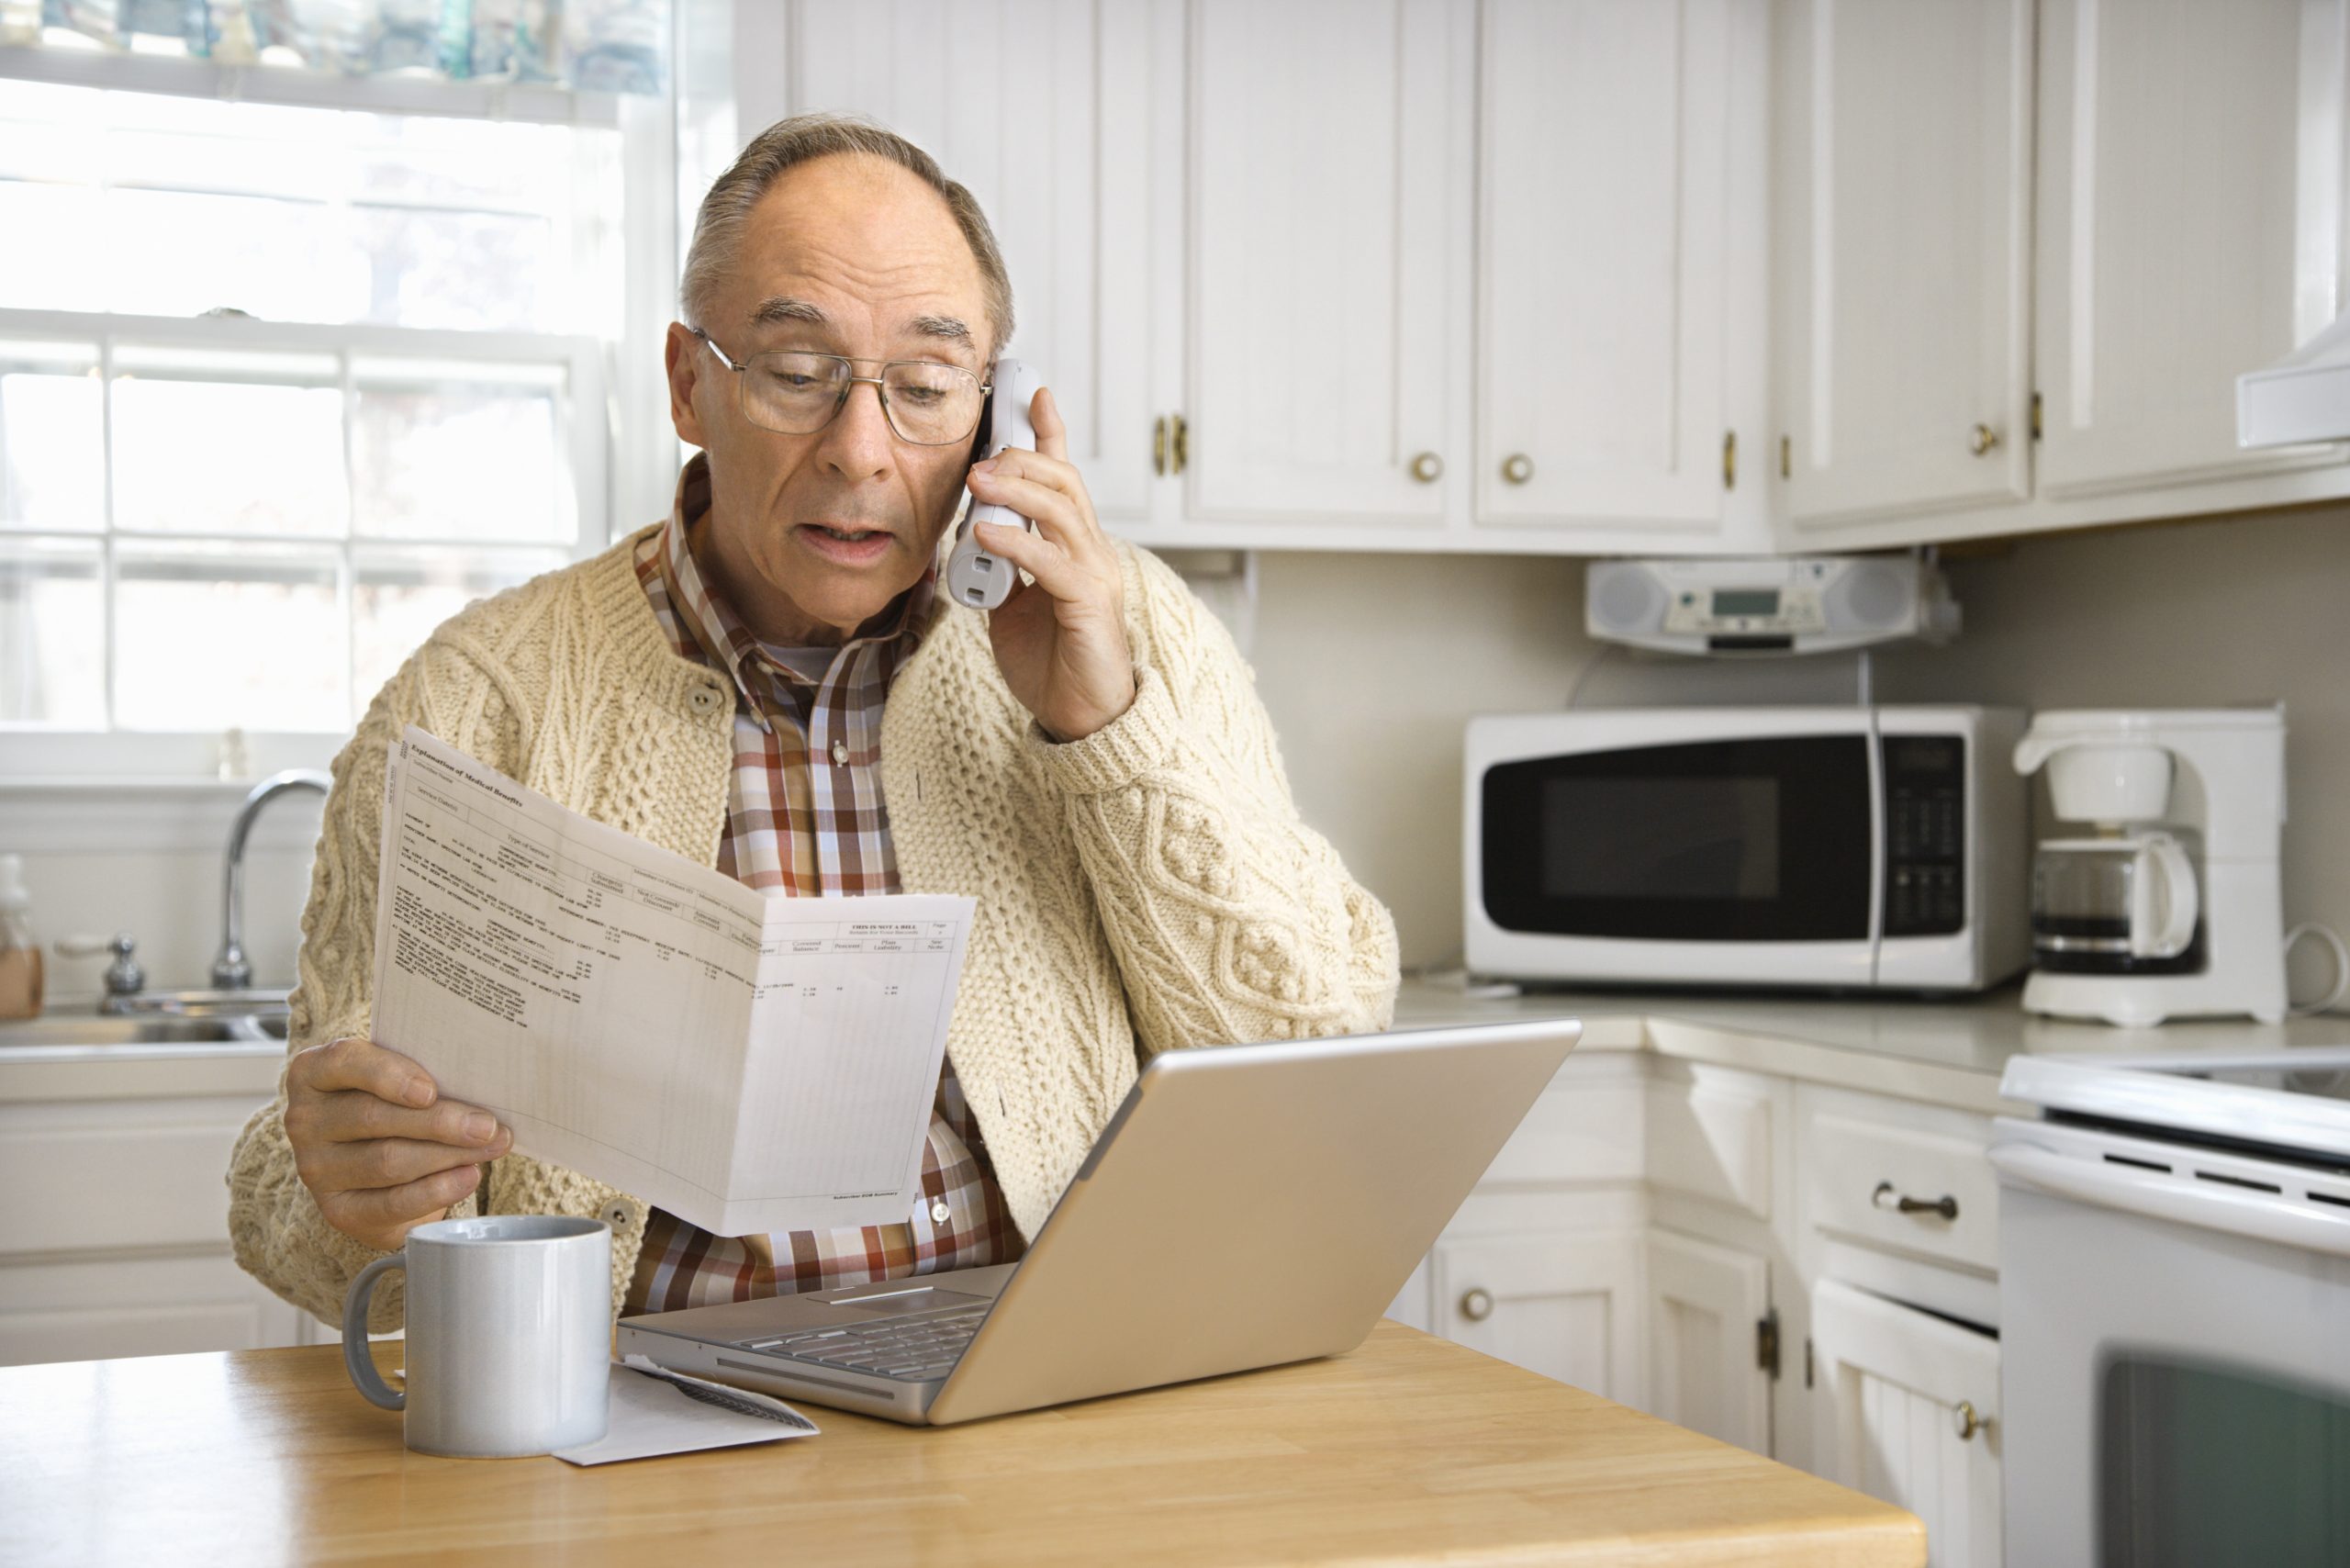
(718, 230)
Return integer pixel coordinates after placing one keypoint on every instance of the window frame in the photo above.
(621, 471)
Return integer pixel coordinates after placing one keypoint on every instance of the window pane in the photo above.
(279, 260)
(220, 456)
(397, 597)
(475, 271)
(66, 271)
(303, 214)
(52, 441)
(52, 631)
(206, 639)
(458, 457)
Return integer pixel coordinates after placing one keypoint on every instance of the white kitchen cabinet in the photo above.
(1707, 1310)
(2190, 217)
(1909, 1415)
(1565, 1303)
(118, 1243)
(1322, 239)
(1604, 269)
(1903, 147)
(1055, 114)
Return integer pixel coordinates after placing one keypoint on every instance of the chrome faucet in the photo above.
(230, 971)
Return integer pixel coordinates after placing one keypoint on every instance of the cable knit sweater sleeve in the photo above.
(280, 1235)
(1231, 919)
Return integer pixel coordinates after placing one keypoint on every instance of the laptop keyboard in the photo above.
(914, 1347)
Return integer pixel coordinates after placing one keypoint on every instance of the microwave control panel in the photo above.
(1925, 835)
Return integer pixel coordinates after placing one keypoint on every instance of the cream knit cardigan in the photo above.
(1147, 887)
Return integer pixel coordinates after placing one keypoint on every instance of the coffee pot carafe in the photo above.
(2169, 906)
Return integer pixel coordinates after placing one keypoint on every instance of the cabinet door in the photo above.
(1043, 109)
(1904, 154)
(1705, 1305)
(1602, 266)
(1564, 1304)
(1321, 169)
(1896, 1386)
(2190, 221)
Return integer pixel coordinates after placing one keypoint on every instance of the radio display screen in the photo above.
(1746, 601)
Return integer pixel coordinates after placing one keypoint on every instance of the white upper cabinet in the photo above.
(1321, 231)
(1603, 266)
(1903, 150)
(2191, 218)
(1044, 109)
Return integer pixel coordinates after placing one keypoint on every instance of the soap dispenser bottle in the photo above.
(19, 950)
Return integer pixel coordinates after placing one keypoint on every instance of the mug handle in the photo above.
(356, 1359)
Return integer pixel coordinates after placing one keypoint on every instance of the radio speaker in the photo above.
(1873, 596)
(1627, 598)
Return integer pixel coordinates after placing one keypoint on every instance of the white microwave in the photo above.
(1835, 848)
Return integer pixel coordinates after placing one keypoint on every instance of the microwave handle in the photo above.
(2233, 1211)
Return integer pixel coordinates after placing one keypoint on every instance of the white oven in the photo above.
(2175, 1311)
(1774, 846)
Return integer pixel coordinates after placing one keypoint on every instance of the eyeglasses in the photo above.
(928, 404)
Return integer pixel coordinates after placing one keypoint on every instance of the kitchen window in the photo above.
(281, 386)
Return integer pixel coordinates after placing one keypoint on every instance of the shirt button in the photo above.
(703, 699)
(939, 1211)
(621, 1212)
(839, 753)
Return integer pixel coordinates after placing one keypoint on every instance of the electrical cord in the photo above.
(1574, 689)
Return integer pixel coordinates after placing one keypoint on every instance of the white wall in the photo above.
(1371, 665)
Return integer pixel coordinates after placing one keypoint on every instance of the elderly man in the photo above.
(767, 682)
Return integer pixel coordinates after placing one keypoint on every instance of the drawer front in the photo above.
(1585, 1127)
(1863, 1155)
(1709, 1135)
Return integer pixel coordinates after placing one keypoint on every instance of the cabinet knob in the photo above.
(1159, 444)
(1982, 439)
(1886, 1197)
(1476, 1304)
(1517, 468)
(1428, 467)
(1964, 1421)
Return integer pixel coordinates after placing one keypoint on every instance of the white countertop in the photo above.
(1950, 1052)
(1947, 1052)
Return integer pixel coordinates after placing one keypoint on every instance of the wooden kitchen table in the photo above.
(1408, 1450)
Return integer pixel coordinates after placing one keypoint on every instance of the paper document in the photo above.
(656, 1411)
(746, 1063)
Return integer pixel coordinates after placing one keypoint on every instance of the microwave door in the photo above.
(1761, 840)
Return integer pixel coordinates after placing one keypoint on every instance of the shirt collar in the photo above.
(761, 681)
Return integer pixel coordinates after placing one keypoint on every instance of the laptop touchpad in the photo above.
(929, 1298)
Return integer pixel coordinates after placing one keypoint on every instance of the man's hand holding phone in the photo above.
(377, 1145)
(1061, 639)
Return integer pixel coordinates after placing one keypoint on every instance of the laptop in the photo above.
(1246, 1205)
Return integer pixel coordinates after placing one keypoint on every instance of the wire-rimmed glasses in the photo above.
(794, 393)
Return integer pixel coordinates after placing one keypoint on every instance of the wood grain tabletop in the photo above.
(1408, 1449)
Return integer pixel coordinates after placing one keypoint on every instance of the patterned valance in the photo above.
(599, 46)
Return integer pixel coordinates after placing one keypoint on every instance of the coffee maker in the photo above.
(2166, 903)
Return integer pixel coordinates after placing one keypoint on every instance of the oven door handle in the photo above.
(2265, 1215)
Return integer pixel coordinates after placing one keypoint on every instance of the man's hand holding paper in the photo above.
(746, 1063)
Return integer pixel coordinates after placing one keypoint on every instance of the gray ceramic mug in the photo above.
(508, 1335)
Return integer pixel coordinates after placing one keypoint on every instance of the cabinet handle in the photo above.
(1476, 1304)
(1182, 433)
(1885, 1197)
(1517, 468)
(1982, 439)
(1965, 1422)
(1159, 444)
(1428, 467)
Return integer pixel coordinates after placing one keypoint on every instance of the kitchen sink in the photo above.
(153, 1029)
